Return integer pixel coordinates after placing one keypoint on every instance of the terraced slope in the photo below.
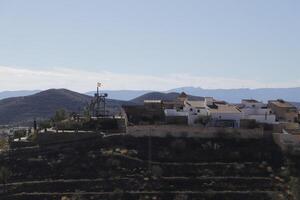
(123, 167)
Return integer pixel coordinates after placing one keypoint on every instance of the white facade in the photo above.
(195, 109)
(191, 109)
(226, 112)
(174, 112)
(221, 112)
(258, 111)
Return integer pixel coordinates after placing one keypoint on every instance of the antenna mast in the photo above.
(100, 102)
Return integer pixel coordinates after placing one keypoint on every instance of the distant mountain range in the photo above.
(229, 95)
(19, 93)
(235, 95)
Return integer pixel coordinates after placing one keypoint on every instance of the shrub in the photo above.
(4, 176)
(157, 171)
(117, 194)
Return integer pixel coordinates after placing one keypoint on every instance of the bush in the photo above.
(4, 176)
(19, 133)
(113, 163)
(181, 197)
(157, 171)
(117, 194)
(178, 145)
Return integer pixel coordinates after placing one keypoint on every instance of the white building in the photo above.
(188, 108)
(223, 114)
(258, 111)
(195, 110)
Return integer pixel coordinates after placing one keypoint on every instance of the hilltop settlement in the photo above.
(179, 148)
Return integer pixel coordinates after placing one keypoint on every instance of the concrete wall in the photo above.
(175, 112)
(284, 113)
(269, 119)
(228, 116)
(177, 120)
(192, 131)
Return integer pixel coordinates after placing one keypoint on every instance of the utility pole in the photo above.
(149, 151)
(100, 102)
(97, 99)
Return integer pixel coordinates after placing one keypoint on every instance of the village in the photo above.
(181, 149)
(214, 113)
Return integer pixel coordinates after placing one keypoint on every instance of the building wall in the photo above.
(195, 113)
(268, 119)
(258, 112)
(183, 120)
(248, 104)
(227, 116)
(284, 114)
(175, 112)
(140, 114)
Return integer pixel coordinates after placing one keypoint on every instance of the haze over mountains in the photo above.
(229, 95)
(17, 93)
(235, 95)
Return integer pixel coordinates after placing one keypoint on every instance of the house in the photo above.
(284, 111)
(258, 111)
(225, 115)
(182, 108)
(195, 110)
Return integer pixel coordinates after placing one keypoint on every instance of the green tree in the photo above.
(19, 133)
(45, 124)
(60, 115)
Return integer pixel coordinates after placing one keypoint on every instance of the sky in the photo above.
(149, 44)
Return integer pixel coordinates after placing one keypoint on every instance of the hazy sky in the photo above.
(153, 44)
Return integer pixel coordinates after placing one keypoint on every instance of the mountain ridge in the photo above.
(17, 93)
(229, 95)
(43, 105)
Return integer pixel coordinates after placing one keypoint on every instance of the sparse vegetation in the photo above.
(3, 144)
(4, 176)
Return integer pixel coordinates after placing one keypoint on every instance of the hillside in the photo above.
(43, 105)
(161, 96)
(118, 167)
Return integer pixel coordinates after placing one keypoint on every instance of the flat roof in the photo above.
(282, 104)
(251, 100)
(196, 104)
(224, 108)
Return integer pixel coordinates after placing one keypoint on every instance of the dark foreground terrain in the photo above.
(124, 167)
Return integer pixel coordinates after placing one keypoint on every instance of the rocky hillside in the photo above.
(137, 168)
